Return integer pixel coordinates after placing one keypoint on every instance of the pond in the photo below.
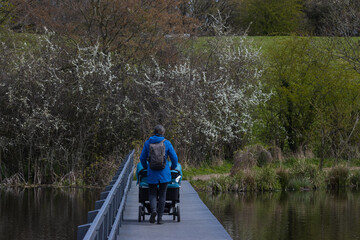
(43, 212)
(289, 215)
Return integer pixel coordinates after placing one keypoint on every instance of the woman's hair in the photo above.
(159, 129)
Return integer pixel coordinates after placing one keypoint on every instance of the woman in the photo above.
(158, 179)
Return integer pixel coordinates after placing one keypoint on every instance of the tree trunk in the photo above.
(322, 149)
(0, 168)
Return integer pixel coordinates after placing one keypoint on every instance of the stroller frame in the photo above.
(172, 196)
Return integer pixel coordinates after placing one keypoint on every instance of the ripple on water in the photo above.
(290, 215)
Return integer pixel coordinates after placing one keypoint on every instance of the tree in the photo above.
(275, 17)
(315, 103)
(316, 12)
(343, 23)
(6, 10)
(204, 10)
(135, 28)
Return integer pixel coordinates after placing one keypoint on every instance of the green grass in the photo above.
(328, 163)
(290, 174)
(206, 168)
(266, 43)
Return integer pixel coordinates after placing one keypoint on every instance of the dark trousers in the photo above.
(156, 195)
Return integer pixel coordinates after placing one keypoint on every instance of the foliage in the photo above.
(66, 106)
(217, 90)
(307, 173)
(283, 177)
(293, 175)
(205, 169)
(60, 108)
(301, 184)
(203, 10)
(99, 172)
(274, 17)
(221, 184)
(354, 179)
(315, 101)
(248, 180)
(316, 12)
(260, 179)
(6, 9)
(134, 28)
(250, 156)
(266, 179)
(337, 177)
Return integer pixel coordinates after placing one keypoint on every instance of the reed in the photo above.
(337, 177)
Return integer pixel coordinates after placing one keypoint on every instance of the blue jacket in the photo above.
(159, 176)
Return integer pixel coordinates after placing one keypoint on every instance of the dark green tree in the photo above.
(270, 17)
(316, 99)
(6, 9)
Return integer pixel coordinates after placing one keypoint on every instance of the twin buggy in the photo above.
(172, 193)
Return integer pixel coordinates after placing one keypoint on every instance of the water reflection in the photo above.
(44, 213)
(294, 215)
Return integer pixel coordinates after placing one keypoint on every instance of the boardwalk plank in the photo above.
(197, 222)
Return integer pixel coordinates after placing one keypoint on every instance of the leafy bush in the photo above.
(354, 179)
(307, 174)
(300, 183)
(72, 104)
(271, 17)
(337, 177)
(100, 172)
(266, 179)
(249, 181)
(283, 176)
(251, 156)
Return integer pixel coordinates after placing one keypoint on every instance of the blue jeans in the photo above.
(157, 194)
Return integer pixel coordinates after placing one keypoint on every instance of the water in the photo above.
(294, 215)
(44, 213)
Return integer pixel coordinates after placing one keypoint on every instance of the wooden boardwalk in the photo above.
(197, 222)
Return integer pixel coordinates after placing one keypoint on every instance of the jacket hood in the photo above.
(156, 138)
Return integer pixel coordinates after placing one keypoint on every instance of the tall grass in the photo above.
(291, 175)
(337, 177)
(354, 179)
(283, 177)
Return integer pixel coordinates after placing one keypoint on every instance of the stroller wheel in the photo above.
(178, 213)
(140, 214)
(174, 213)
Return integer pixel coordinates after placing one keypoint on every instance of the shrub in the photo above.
(15, 180)
(337, 177)
(300, 183)
(266, 179)
(100, 172)
(354, 179)
(249, 181)
(242, 160)
(284, 177)
(308, 174)
(251, 156)
(222, 184)
(263, 158)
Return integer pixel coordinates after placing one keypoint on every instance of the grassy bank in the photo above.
(206, 169)
(289, 175)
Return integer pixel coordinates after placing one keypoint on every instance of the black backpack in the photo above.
(157, 155)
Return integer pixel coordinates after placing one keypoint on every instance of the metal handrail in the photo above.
(108, 218)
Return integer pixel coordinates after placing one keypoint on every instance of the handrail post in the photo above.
(107, 221)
